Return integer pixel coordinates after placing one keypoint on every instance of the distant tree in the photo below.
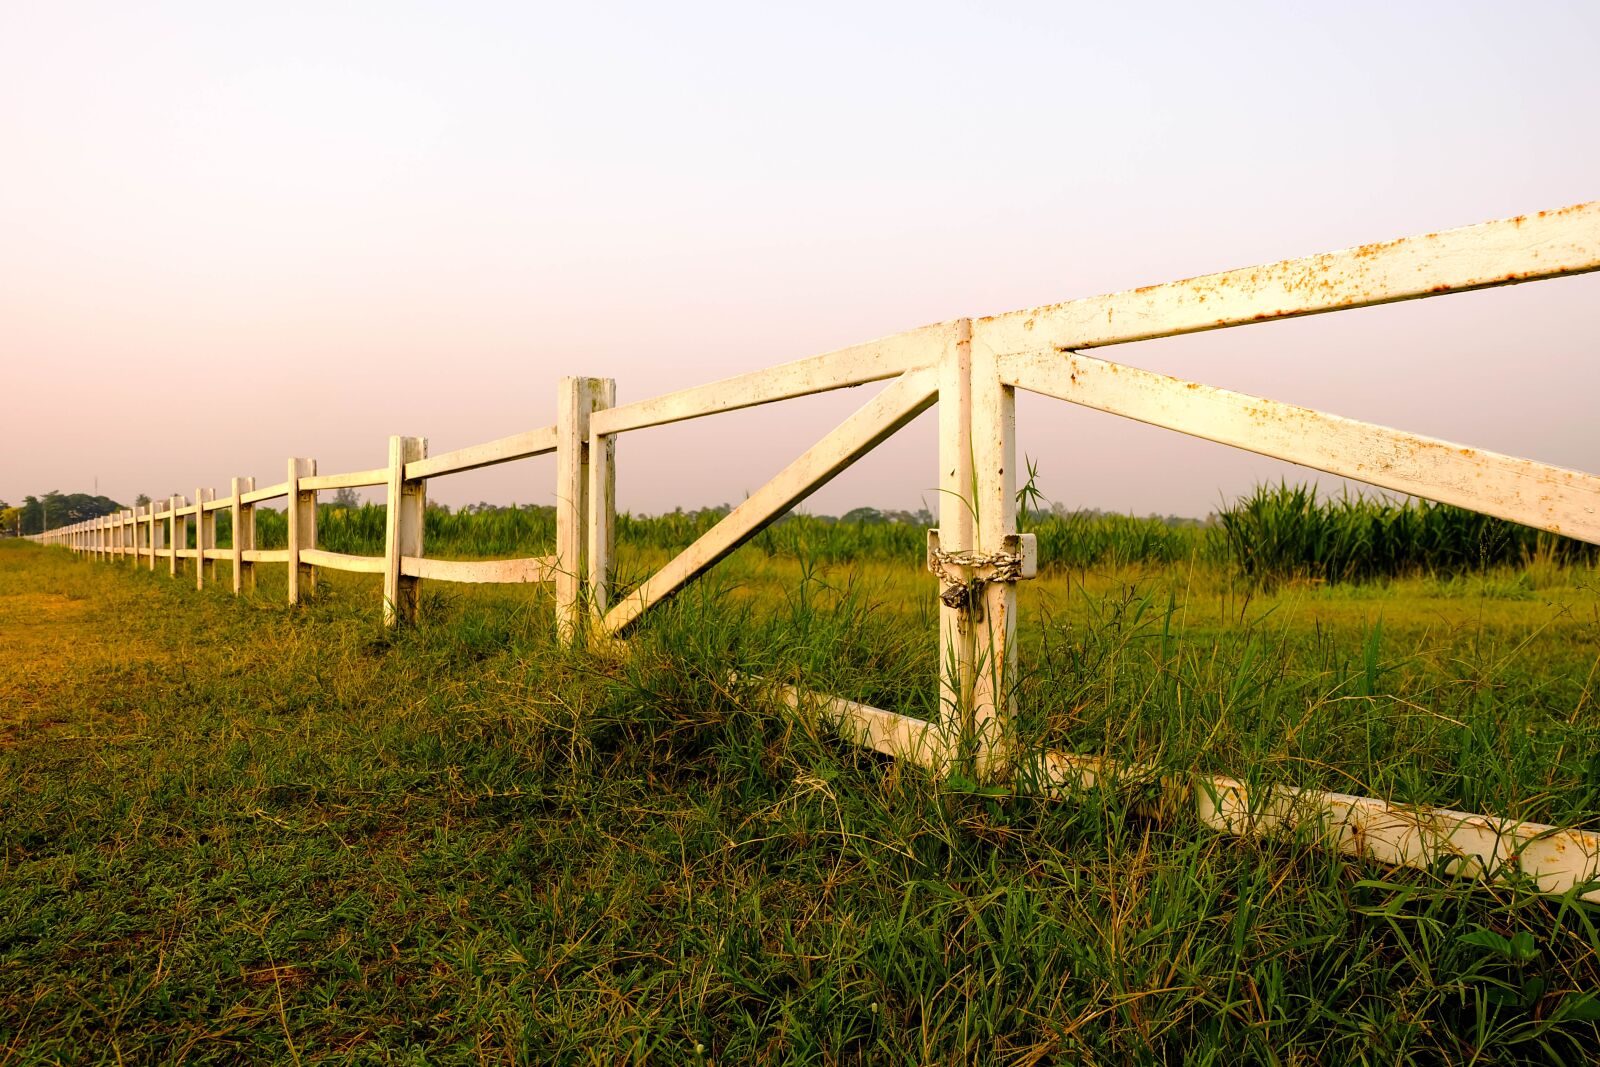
(142, 500)
(347, 498)
(56, 509)
(864, 516)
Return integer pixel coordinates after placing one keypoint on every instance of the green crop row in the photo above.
(1277, 533)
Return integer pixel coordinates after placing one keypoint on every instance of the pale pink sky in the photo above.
(230, 234)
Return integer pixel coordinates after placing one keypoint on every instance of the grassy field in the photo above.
(231, 830)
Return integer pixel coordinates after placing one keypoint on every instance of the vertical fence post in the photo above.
(243, 517)
(957, 500)
(205, 533)
(302, 529)
(158, 535)
(572, 441)
(602, 493)
(129, 532)
(994, 463)
(402, 533)
(177, 535)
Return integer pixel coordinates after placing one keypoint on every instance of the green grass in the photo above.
(235, 831)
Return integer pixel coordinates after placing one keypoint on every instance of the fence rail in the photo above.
(972, 368)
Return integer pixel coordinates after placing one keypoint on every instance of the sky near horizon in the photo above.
(229, 235)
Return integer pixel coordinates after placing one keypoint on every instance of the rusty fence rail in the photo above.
(972, 368)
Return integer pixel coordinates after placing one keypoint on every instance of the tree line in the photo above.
(53, 510)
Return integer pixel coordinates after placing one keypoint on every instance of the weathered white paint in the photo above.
(177, 533)
(574, 400)
(957, 497)
(205, 533)
(874, 361)
(1521, 249)
(994, 471)
(902, 401)
(601, 497)
(266, 555)
(505, 450)
(243, 517)
(1521, 490)
(348, 480)
(888, 732)
(157, 536)
(1478, 846)
(302, 528)
(507, 571)
(402, 529)
(341, 561)
(271, 492)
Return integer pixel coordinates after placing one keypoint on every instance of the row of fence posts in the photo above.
(579, 570)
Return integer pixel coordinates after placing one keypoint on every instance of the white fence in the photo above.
(972, 369)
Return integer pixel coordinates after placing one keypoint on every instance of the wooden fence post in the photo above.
(572, 441)
(994, 463)
(158, 536)
(602, 499)
(243, 517)
(205, 533)
(302, 529)
(402, 535)
(957, 641)
(177, 535)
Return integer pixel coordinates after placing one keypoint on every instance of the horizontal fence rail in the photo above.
(971, 368)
